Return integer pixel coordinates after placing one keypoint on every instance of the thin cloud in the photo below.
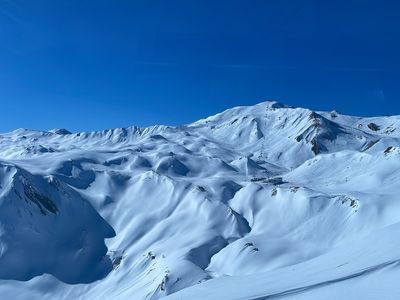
(222, 66)
(352, 69)
(156, 63)
(252, 66)
(6, 12)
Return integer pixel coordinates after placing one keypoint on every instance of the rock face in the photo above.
(229, 207)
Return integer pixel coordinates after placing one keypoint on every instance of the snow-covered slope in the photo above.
(258, 202)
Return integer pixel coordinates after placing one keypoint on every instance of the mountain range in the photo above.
(258, 202)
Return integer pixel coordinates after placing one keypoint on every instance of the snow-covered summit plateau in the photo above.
(258, 202)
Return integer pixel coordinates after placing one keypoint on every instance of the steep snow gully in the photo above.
(259, 202)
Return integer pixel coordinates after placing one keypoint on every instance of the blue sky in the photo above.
(87, 65)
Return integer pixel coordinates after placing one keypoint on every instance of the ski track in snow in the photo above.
(308, 288)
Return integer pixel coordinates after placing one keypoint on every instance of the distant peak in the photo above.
(273, 104)
(60, 131)
(21, 130)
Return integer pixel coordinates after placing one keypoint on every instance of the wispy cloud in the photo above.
(215, 65)
(238, 66)
(7, 12)
(156, 63)
(253, 66)
(352, 69)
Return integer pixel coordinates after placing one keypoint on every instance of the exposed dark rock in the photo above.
(60, 131)
(315, 146)
(388, 150)
(276, 180)
(42, 202)
(373, 126)
(116, 262)
(369, 145)
(294, 189)
(334, 114)
(255, 179)
(151, 256)
(234, 121)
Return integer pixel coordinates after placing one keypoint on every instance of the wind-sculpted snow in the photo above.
(258, 202)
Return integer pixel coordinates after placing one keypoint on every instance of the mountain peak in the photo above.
(60, 131)
(273, 104)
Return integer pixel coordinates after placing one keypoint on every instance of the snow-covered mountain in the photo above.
(258, 202)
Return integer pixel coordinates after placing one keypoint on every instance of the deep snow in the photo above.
(258, 202)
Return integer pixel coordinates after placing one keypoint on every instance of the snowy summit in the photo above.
(259, 202)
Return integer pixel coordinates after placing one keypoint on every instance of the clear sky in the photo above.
(87, 65)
